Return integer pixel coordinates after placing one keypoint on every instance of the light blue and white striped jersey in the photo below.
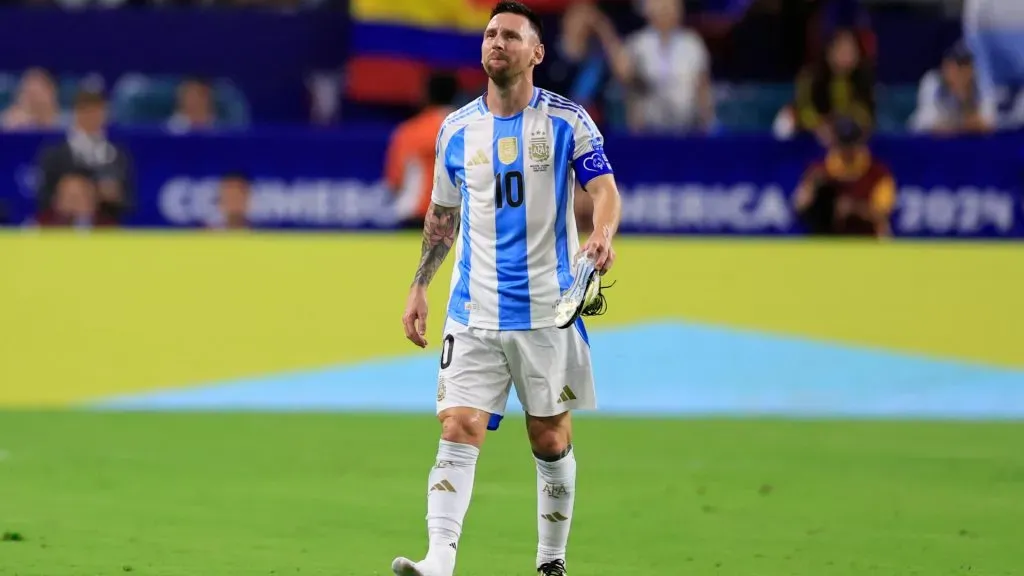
(514, 179)
(1005, 15)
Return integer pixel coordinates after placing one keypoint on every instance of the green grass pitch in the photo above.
(99, 494)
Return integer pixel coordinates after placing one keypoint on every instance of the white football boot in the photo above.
(583, 297)
(405, 567)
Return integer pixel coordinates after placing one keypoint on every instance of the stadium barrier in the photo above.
(729, 185)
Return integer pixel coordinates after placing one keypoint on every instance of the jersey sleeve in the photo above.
(927, 114)
(701, 54)
(445, 192)
(988, 107)
(588, 159)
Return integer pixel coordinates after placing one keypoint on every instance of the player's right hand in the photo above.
(415, 317)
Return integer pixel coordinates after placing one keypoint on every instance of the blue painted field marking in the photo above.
(658, 369)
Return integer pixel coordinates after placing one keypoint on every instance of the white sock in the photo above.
(556, 491)
(449, 489)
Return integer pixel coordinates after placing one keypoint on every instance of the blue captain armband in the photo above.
(591, 165)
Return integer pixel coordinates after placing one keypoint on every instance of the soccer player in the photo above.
(504, 175)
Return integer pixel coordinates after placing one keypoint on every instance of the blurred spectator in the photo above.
(853, 15)
(75, 203)
(195, 108)
(325, 95)
(841, 84)
(1013, 117)
(994, 31)
(850, 192)
(666, 71)
(86, 148)
(951, 101)
(409, 163)
(575, 64)
(35, 107)
(233, 202)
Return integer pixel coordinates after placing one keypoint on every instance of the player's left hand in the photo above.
(599, 246)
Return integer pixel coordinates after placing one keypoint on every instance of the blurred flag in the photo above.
(450, 15)
(396, 43)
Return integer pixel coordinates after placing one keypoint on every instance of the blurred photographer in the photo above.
(849, 192)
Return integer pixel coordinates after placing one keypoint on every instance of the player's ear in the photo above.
(538, 54)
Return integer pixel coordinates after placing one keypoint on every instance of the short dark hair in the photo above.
(197, 80)
(89, 97)
(960, 54)
(237, 175)
(78, 172)
(513, 7)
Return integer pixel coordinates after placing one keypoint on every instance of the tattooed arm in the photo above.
(439, 230)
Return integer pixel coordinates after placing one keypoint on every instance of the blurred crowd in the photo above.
(36, 105)
(663, 73)
(659, 79)
(643, 67)
(86, 180)
(79, 4)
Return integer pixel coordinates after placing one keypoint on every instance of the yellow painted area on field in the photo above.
(87, 316)
(949, 300)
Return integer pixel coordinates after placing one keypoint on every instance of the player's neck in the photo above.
(509, 100)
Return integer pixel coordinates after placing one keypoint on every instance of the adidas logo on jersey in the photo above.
(478, 159)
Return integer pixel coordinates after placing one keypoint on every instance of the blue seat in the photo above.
(8, 87)
(895, 105)
(142, 100)
(750, 107)
(753, 108)
(739, 107)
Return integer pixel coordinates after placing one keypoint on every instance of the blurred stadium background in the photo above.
(208, 215)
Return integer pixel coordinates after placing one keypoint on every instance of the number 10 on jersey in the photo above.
(508, 189)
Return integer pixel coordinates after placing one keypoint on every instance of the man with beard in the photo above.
(504, 173)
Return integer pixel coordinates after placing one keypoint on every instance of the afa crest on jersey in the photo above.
(508, 149)
(540, 150)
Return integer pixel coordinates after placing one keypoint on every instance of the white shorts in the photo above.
(550, 368)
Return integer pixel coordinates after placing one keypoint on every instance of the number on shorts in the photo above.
(446, 351)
